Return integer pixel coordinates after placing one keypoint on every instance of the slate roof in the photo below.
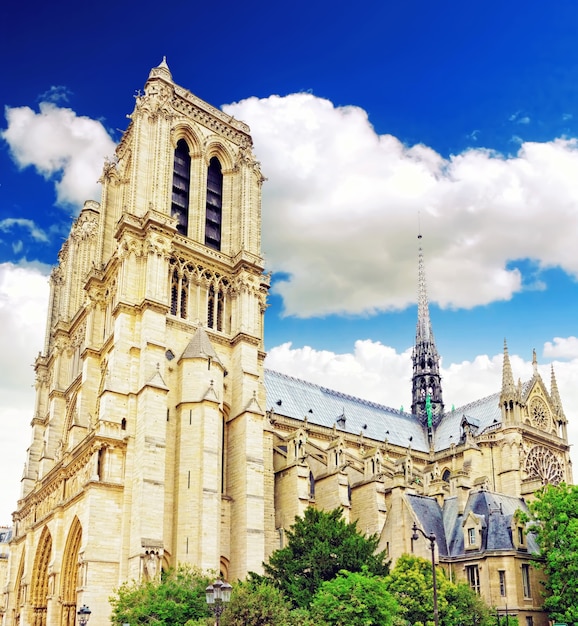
(483, 414)
(495, 510)
(299, 399)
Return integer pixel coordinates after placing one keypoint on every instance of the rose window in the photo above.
(542, 463)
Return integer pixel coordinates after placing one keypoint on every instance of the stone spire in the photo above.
(426, 379)
(508, 385)
(555, 394)
(511, 394)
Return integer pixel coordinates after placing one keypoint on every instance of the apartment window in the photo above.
(526, 581)
(472, 536)
(214, 207)
(502, 575)
(181, 186)
(521, 537)
(529, 620)
(473, 575)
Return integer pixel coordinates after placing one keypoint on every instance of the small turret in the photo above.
(510, 395)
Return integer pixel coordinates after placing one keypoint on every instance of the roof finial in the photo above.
(535, 362)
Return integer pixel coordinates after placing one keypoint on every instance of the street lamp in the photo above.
(432, 542)
(218, 594)
(83, 615)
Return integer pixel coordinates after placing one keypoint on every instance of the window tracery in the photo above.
(183, 276)
(540, 413)
(542, 463)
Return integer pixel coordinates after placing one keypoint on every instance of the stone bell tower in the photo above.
(150, 446)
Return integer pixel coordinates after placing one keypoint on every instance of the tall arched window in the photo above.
(179, 293)
(214, 209)
(211, 307)
(181, 186)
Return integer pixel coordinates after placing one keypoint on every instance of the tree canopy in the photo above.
(554, 521)
(319, 546)
(411, 584)
(174, 599)
(354, 599)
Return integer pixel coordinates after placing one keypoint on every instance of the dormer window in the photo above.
(519, 536)
(472, 532)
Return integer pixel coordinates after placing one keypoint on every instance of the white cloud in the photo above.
(342, 201)
(23, 304)
(561, 348)
(35, 232)
(61, 146)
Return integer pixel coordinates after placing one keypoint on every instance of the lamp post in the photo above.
(218, 594)
(432, 542)
(83, 615)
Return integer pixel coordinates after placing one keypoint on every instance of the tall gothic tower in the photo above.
(149, 446)
(426, 392)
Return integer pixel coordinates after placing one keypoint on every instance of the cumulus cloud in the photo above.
(62, 146)
(23, 304)
(561, 348)
(341, 201)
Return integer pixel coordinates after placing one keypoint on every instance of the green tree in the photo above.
(554, 521)
(256, 603)
(354, 599)
(319, 546)
(411, 584)
(178, 597)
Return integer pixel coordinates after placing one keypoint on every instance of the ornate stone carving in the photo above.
(539, 413)
(542, 463)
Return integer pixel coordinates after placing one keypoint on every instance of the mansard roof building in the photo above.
(158, 436)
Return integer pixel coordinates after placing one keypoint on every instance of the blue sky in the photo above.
(363, 116)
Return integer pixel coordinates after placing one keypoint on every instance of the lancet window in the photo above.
(179, 293)
(214, 206)
(181, 186)
(216, 307)
(196, 292)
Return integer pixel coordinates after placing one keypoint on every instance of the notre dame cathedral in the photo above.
(158, 437)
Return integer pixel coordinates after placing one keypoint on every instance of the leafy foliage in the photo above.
(411, 584)
(177, 598)
(256, 603)
(354, 599)
(320, 545)
(554, 517)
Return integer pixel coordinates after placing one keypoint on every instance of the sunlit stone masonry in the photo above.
(159, 438)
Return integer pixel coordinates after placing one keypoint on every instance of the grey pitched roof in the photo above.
(495, 510)
(484, 413)
(430, 517)
(299, 399)
(200, 347)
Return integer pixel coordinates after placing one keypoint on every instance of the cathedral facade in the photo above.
(158, 436)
